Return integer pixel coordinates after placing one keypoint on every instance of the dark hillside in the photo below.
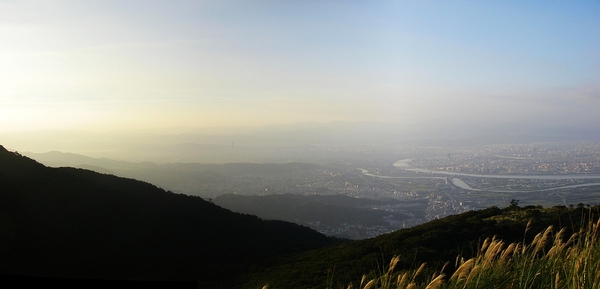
(435, 242)
(75, 223)
(331, 214)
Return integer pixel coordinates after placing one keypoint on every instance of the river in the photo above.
(403, 164)
(459, 183)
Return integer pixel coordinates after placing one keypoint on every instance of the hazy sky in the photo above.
(112, 65)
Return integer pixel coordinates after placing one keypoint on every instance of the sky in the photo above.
(143, 65)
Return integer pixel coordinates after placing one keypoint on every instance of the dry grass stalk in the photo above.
(524, 249)
(528, 226)
(493, 249)
(402, 279)
(459, 260)
(444, 267)
(463, 270)
(362, 280)
(576, 236)
(504, 257)
(435, 283)
(393, 263)
(541, 241)
(472, 274)
(369, 285)
(419, 271)
(486, 243)
(559, 245)
(594, 234)
(517, 250)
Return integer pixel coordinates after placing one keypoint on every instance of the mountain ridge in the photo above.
(76, 223)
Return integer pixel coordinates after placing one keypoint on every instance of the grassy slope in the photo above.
(435, 242)
(551, 261)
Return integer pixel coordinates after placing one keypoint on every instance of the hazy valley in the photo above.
(302, 174)
(394, 197)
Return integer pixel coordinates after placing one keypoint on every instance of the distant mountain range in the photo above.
(205, 180)
(301, 142)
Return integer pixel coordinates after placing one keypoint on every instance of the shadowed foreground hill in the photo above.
(434, 243)
(74, 223)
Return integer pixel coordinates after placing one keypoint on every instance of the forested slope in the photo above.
(75, 223)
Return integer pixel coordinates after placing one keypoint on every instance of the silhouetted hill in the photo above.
(75, 223)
